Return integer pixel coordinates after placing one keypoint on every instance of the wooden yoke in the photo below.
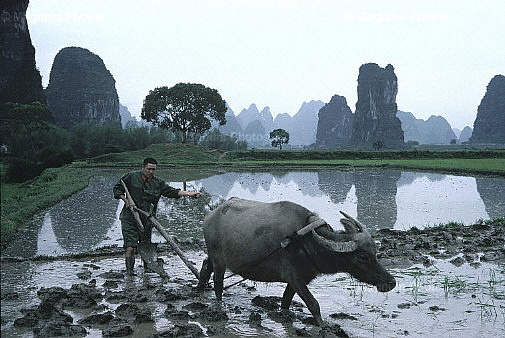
(132, 207)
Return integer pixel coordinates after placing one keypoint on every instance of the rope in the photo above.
(250, 265)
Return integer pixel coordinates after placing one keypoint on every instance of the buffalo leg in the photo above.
(303, 291)
(287, 297)
(205, 273)
(218, 281)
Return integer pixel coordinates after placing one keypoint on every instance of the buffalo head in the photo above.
(356, 252)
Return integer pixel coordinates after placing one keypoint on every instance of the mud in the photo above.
(473, 244)
(115, 305)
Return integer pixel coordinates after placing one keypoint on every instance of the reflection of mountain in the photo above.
(218, 185)
(336, 184)
(46, 235)
(221, 185)
(376, 193)
(408, 177)
(252, 182)
(305, 181)
(82, 221)
(495, 203)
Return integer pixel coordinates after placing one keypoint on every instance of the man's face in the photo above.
(148, 170)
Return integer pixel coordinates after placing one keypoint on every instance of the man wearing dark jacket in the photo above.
(145, 189)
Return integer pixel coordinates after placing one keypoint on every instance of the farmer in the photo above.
(145, 189)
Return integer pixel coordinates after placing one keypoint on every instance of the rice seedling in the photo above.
(454, 285)
(487, 309)
(415, 289)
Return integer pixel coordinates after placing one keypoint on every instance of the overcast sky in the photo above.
(281, 53)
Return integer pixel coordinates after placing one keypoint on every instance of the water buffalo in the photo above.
(245, 237)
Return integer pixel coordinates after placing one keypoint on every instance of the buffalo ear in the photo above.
(350, 224)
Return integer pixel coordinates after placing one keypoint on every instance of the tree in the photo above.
(32, 143)
(185, 108)
(378, 145)
(280, 137)
(24, 119)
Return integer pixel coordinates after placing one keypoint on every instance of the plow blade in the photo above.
(148, 253)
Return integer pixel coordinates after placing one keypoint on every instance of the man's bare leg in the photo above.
(130, 260)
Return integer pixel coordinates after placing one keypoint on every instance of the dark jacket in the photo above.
(143, 192)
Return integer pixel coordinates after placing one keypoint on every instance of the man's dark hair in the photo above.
(149, 160)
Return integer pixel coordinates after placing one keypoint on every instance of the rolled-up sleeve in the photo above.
(169, 191)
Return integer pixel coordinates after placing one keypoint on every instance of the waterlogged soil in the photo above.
(450, 282)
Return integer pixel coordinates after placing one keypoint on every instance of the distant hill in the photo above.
(465, 134)
(334, 127)
(489, 125)
(81, 90)
(302, 126)
(126, 116)
(435, 130)
(254, 127)
(232, 126)
(20, 80)
(377, 122)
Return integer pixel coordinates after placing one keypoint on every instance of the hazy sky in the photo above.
(281, 53)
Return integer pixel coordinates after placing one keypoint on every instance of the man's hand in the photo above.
(195, 194)
(125, 200)
(192, 194)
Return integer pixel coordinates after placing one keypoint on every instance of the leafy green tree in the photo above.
(24, 119)
(279, 137)
(185, 108)
(32, 143)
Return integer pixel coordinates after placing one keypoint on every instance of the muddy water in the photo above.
(440, 300)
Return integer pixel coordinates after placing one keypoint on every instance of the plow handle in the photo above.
(132, 207)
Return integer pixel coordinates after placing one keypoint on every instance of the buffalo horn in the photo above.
(348, 246)
(355, 221)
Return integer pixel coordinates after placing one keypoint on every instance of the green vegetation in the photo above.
(490, 162)
(167, 155)
(186, 108)
(31, 144)
(20, 201)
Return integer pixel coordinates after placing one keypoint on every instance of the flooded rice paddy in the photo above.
(443, 298)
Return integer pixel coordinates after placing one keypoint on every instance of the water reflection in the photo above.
(379, 199)
(82, 221)
(492, 193)
(336, 184)
(376, 193)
